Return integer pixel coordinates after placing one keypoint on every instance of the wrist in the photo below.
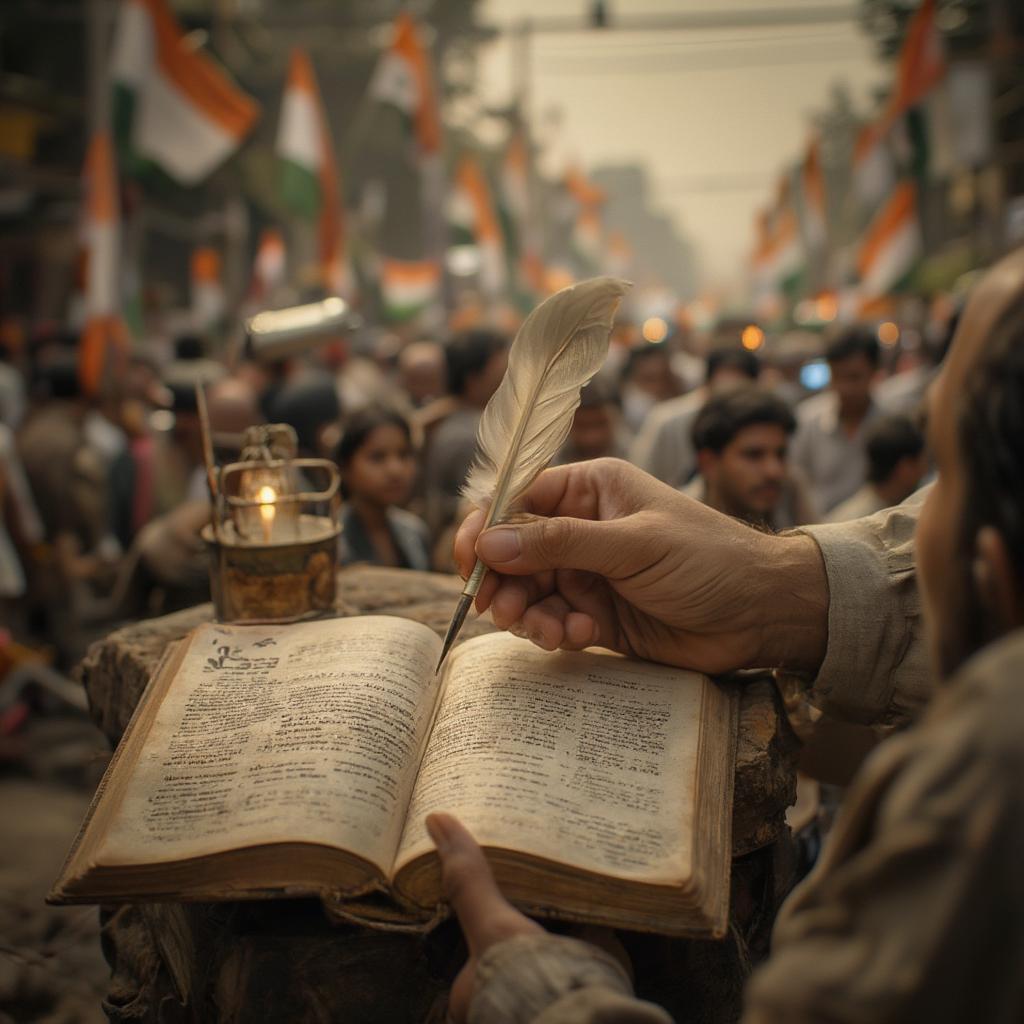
(793, 612)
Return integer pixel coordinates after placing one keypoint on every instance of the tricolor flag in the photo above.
(922, 63)
(778, 259)
(618, 261)
(812, 193)
(309, 173)
(588, 239)
(268, 268)
(207, 289)
(407, 287)
(176, 106)
(403, 78)
(473, 219)
(104, 340)
(873, 171)
(891, 245)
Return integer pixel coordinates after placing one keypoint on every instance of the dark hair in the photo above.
(188, 347)
(359, 425)
(597, 393)
(733, 359)
(637, 354)
(307, 403)
(991, 436)
(854, 341)
(468, 353)
(888, 441)
(729, 412)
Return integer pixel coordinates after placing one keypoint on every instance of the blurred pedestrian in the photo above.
(646, 381)
(897, 462)
(664, 446)
(595, 431)
(828, 445)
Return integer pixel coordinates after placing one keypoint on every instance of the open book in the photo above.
(303, 759)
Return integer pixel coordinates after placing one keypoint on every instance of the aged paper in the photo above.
(587, 759)
(305, 734)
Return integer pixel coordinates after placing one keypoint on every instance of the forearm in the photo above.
(547, 979)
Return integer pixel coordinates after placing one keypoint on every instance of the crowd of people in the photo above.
(104, 497)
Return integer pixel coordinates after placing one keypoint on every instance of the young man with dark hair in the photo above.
(897, 462)
(829, 442)
(741, 438)
(594, 433)
(664, 445)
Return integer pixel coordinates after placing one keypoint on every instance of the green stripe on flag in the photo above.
(300, 189)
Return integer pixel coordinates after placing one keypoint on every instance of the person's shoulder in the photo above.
(406, 520)
(669, 414)
(816, 408)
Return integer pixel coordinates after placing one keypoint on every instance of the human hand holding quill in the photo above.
(558, 349)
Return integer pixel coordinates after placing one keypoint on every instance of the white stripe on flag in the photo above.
(170, 130)
(893, 261)
(132, 56)
(298, 134)
(395, 82)
(101, 269)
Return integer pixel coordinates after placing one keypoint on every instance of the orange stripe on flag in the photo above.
(100, 178)
(300, 73)
(921, 63)
(410, 271)
(198, 78)
(205, 265)
(408, 45)
(102, 351)
(471, 178)
(901, 208)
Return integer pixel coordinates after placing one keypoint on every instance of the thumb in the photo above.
(559, 543)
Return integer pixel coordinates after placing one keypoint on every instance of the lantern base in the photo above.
(283, 582)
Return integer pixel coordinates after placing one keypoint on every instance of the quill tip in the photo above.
(454, 627)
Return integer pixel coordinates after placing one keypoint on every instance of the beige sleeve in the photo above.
(913, 912)
(875, 670)
(550, 979)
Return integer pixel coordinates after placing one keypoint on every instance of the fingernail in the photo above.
(498, 545)
(437, 832)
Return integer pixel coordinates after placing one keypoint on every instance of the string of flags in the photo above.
(872, 242)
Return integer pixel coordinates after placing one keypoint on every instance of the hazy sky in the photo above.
(714, 115)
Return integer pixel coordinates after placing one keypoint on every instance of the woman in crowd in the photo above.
(378, 466)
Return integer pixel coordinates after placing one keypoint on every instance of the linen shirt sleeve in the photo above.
(875, 670)
(550, 979)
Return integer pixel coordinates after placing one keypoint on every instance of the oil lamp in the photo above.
(274, 531)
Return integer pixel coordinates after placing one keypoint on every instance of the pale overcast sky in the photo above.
(714, 115)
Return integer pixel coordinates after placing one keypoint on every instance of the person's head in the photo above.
(592, 434)
(421, 371)
(853, 357)
(742, 437)
(476, 361)
(308, 403)
(648, 369)
(375, 456)
(896, 456)
(970, 538)
(729, 367)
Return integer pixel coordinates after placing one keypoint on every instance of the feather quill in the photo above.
(558, 349)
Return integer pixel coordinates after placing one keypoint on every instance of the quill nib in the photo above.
(469, 591)
(458, 618)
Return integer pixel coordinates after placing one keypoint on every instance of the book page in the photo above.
(588, 759)
(302, 733)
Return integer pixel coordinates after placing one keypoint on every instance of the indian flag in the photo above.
(403, 79)
(922, 62)
(103, 341)
(407, 287)
(587, 239)
(207, 290)
(475, 221)
(812, 181)
(891, 246)
(873, 171)
(309, 173)
(269, 266)
(177, 106)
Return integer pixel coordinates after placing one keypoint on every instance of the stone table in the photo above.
(284, 961)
